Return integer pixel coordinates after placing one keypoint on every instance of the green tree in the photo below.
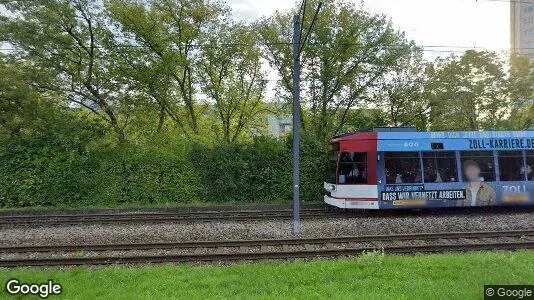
(348, 51)
(362, 119)
(67, 43)
(18, 102)
(468, 92)
(521, 93)
(165, 36)
(402, 92)
(231, 77)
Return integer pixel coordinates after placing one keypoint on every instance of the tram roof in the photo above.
(414, 135)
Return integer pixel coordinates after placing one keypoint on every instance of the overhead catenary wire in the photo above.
(425, 48)
(311, 26)
(302, 12)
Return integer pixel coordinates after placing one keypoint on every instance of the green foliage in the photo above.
(52, 166)
(364, 119)
(153, 173)
(349, 51)
(314, 167)
(232, 78)
(402, 92)
(260, 171)
(521, 87)
(50, 170)
(468, 92)
(68, 44)
(159, 54)
(370, 276)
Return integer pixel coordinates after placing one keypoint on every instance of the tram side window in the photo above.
(440, 166)
(402, 167)
(530, 165)
(353, 168)
(511, 166)
(482, 166)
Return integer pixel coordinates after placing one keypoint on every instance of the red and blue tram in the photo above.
(392, 168)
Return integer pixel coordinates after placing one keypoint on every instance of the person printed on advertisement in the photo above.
(478, 193)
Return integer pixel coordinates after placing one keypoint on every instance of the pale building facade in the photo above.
(279, 127)
(522, 27)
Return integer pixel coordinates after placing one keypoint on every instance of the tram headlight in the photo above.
(330, 187)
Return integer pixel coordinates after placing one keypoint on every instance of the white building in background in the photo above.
(279, 127)
(522, 27)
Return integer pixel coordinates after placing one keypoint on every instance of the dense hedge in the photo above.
(52, 171)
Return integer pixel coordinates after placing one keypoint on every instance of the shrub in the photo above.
(51, 171)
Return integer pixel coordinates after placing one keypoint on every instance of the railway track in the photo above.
(236, 250)
(222, 213)
(162, 217)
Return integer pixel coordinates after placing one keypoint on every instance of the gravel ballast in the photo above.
(178, 232)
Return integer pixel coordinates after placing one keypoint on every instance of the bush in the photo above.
(34, 172)
(256, 172)
(47, 170)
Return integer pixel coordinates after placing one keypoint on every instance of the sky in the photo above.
(458, 23)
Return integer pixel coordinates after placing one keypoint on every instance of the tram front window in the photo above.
(332, 166)
(353, 168)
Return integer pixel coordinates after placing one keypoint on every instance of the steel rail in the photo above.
(154, 214)
(266, 242)
(208, 214)
(261, 255)
(460, 245)
(159, 218)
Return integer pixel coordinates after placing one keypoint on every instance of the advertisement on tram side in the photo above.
(457, 194)
(456, 169)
